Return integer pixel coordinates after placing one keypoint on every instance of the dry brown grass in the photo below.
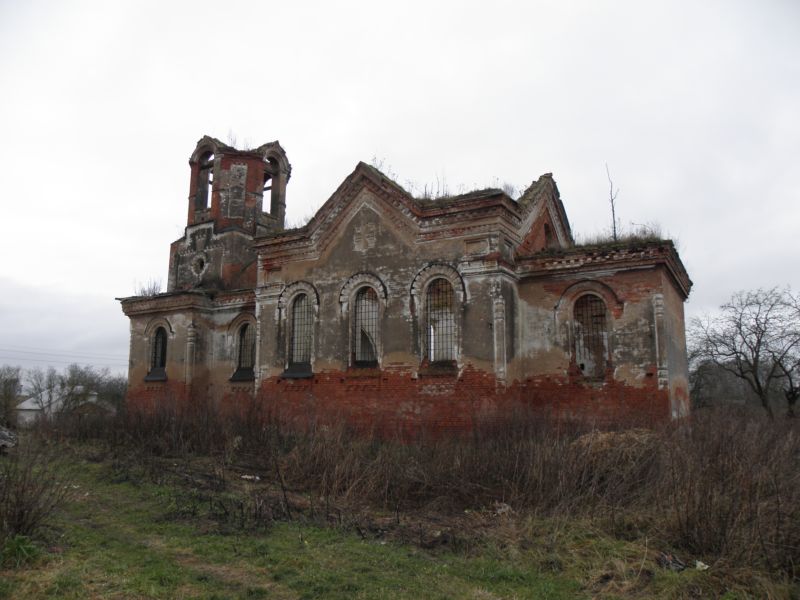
(721, 486)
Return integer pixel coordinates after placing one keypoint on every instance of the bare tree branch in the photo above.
(612, 198)
(756, 337)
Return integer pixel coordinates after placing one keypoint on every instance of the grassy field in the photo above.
(152, 533)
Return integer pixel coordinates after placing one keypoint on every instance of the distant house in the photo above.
(52, 402)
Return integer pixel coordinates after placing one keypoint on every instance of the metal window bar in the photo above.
(591, 335)
(440, 320)
(159, 357)
(302, 329)
(365, 327)
(247, 347)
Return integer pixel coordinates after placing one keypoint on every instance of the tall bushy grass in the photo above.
(719, 485)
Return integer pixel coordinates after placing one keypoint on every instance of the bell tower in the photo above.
(228, 186)
(228, 191)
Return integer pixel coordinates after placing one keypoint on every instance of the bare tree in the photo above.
(756, 337)
(711, 385)
(61, 392)
(612, 198)
(790, 365)
(43, 386)
(76, 384)
(791, 388)
(111, 389)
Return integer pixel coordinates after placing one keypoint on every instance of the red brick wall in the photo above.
(393, 402)
(148, 396)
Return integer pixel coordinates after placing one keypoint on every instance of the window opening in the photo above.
(205, 181)
(247, 346)
(159, 349)
(246, 353)
(365, 328)
(591, 337)
(158, 356)
(271, 186)
(302, 324)
(440, 320)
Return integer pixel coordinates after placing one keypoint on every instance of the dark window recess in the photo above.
(591, 336)
(440, 322)
(246, 354)
(365, 328)
(158, 357)
(302, 332)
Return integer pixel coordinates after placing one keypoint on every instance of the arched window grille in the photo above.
(302, 332)
(247, 346)
(591, 335)
(205, 181)
(440, 322)
(245, 353)
(158, 356)
(365, 328)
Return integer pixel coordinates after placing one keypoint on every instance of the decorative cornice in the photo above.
(647, 254)
(143, 305)
(189, 300)
(436, 271)
(298, 287)
(357, 281)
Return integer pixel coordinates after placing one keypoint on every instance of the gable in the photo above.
(413, 220)
(542, 235)
(545, 225)
(368, 231)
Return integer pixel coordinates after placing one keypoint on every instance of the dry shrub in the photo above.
(731, 489)
(32, 487)
(721, 486)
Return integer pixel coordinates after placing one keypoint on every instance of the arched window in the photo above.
(245, 353)
(364, 342)
(205, 181)
(302, 333)
(591, 335)
(158, 356)
(440, 322)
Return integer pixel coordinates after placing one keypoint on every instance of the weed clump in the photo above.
(32, 488)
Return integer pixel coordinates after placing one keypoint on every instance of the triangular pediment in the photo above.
(372, 200)
(545, 224)
(366, 191)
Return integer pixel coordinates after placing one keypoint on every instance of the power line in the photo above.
(66, 362)
(38, 348)
(56, 353)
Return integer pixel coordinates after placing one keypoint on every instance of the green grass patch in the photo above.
(126, 537)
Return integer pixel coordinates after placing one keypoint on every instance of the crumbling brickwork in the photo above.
(401, 314)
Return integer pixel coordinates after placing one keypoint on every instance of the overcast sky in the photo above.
(694, 106)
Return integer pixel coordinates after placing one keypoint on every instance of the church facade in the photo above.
(401, 313)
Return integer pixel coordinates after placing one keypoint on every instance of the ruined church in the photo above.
(402, 313)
